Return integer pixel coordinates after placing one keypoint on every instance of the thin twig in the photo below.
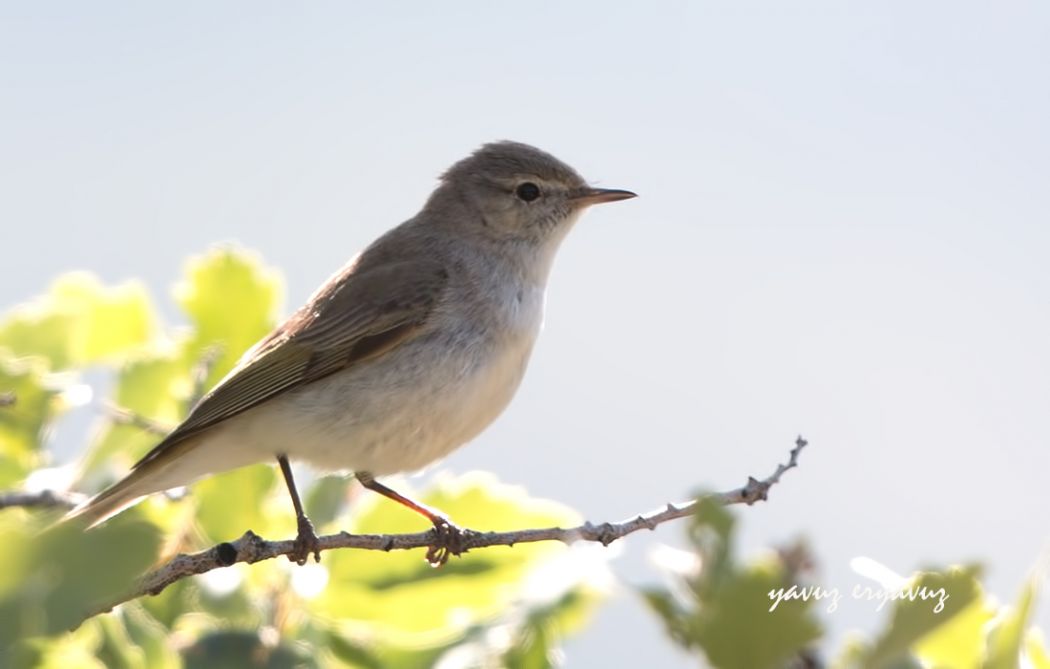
(201, 372)
(251, 548)
(43, 499)
(122, 416)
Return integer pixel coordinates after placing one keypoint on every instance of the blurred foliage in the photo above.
(761, 614)
(497, 607)
(356, 608)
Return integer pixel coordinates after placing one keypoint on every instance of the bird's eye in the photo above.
(527, 191)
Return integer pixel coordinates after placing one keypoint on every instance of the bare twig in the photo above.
(44, 499)
(201, 372)
(122, 416)
(8, 399)
(251, 548)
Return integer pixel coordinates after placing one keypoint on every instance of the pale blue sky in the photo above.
(842, 231)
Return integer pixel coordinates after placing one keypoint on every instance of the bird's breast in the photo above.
(421, 400)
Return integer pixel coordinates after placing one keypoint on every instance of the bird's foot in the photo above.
(449, 540)
(306, 542)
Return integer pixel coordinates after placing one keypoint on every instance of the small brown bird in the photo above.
(405, 354)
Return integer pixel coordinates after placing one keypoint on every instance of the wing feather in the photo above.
(359, 315)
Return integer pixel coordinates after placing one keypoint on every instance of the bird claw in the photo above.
(306, 542)
(449, 540)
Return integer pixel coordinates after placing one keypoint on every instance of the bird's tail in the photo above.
(176, 466)
(115, 498)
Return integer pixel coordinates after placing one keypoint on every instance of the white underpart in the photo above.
(393, 414)
(400, 411)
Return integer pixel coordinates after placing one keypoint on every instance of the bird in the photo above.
(406, 353)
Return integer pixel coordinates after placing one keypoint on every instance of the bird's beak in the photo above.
(588, 196)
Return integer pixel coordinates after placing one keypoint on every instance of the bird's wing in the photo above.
(361, 314)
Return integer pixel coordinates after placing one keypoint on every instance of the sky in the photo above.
(841, 232)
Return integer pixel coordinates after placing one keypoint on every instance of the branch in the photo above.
(8, 399)
(44, 499)
(251, 548)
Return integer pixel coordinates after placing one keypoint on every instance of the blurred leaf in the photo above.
(1035, 650)
(250, 603)
(232, 502)
(149, 636)
(326, 498)
(710, 532)
(61, 574)
(402, 601)
(80, 322)
(246, 650)
(174, 601)
(958, 643)
(913, 620)
(727, 606)
(673, 614)
(353, 654)
(851, 655)
(533, 649)
(116, 650)
(75, 649)
(24, 420)
(232, 300)
(152, 386)
(538, 637)
(1007, 635)
(736, 612)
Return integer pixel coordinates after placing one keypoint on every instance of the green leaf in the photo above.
(245, 649)
(1006, 637)
(29, 407)
(736, 612)
(326, 498)
(232, 502)
(728, 606)
(676, 619)
(538, 637)
(152, 386)
(958, 643)
(353, 654)
(74, 649)
(402, 601)
(149, 636)
(116, 650)
(933, 599)
(533, 649)
(55, 578)
(710, 532)
(81, 322)
(175, 600)
(232, 301)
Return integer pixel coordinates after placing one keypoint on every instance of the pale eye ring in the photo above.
(527, 192)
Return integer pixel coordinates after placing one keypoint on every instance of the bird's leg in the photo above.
(306, 540)
(448, 537)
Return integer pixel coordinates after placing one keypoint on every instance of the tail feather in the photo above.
(179, 464)
(113, 499)
(175, 467)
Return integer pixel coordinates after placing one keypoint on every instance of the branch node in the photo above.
(226, 554)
